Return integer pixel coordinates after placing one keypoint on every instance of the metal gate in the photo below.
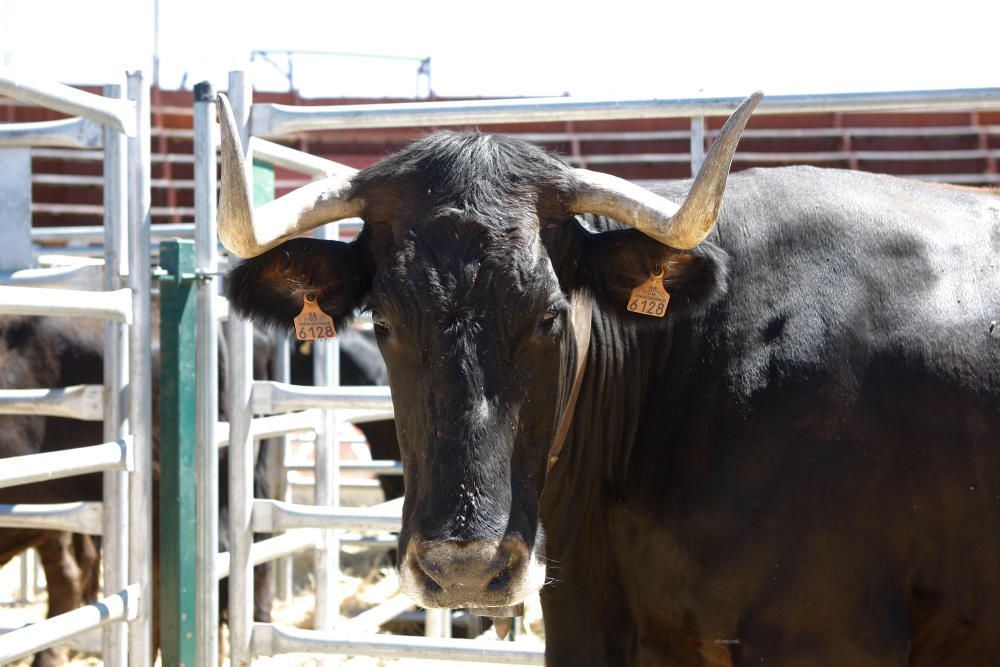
(120, 295)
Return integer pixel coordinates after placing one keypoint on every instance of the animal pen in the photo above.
(256, 409)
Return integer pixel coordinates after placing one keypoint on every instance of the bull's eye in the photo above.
(550, 319)
(380, 324)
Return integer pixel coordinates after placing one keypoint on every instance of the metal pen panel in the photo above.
(116, 305)
(296, 160)
(272, 640)
(114, 546)
(67, 133)
(116, 608)
(284, 571)
(15, 208)
(117, 114)
(82, 401)
(78, 517)
(240, 443)
(271, 397)
(276, 119)
(140, 374)
(207, 384)
(273, 548)
(81, 277)
(276, 516)
(326, 369)
(178, 406)
(17, 470)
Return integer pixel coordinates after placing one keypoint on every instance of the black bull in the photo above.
(798, 465)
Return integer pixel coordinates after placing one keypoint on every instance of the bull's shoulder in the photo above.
(832, 270)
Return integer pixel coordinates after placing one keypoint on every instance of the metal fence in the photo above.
(121, 297)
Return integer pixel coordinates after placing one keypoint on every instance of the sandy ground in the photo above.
(362, 593)
(367, 580)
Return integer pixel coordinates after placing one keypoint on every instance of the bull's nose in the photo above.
(469, 567)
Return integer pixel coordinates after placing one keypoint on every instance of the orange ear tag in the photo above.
(312, 323)
(650, 298)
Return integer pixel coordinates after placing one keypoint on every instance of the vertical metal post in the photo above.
(114, 639)
(27, 568)
(437, 623)
(15, 209)
(177, 452)
(284, 576)
(207, 368)
(697, 143)
(326, 367)
(240, 442)
(140, 377)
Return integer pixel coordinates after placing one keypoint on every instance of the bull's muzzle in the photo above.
(472, 573)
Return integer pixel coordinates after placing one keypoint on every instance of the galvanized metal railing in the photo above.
(119, 123)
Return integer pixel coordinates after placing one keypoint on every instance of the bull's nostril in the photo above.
(501, 581)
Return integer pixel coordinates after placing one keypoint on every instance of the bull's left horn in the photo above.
(248, 233)
(682, 227)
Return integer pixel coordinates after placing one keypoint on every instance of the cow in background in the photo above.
(57, 352)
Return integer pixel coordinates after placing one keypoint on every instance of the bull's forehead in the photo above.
(454, 271)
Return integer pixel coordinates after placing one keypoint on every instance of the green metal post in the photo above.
(177, 454)
(263, 182)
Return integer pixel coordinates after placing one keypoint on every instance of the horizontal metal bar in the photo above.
(273, 548)
(275, 516)
(769, 133)
(380, 466)
(296, 540)
(270, 640)
(368, 541)
(79, 517)
(370, 620)
(118, 114)
(345, 483)
(97, 209)
(270, 397)
(276, 119)
(97, 156)
(82, 401)
(86, 642)
(65, 133)
(81, 276)
(52, 631)
(111, 305)
(296, 160)
(95, 181)
(272, 426)
(116, 455)
(95, 233)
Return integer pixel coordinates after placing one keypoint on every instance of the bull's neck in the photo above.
(621, 410)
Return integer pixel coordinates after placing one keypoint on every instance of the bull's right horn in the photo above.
(248, 233)
(679, 226)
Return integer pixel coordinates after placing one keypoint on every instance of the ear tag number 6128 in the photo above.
(650, 298)
(312, 323)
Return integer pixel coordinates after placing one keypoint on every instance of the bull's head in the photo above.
(479, 277)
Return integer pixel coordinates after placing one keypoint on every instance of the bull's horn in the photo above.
(682, 227)
(248, 233)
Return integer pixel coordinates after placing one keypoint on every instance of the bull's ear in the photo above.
(613, 263)
(271, 289)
